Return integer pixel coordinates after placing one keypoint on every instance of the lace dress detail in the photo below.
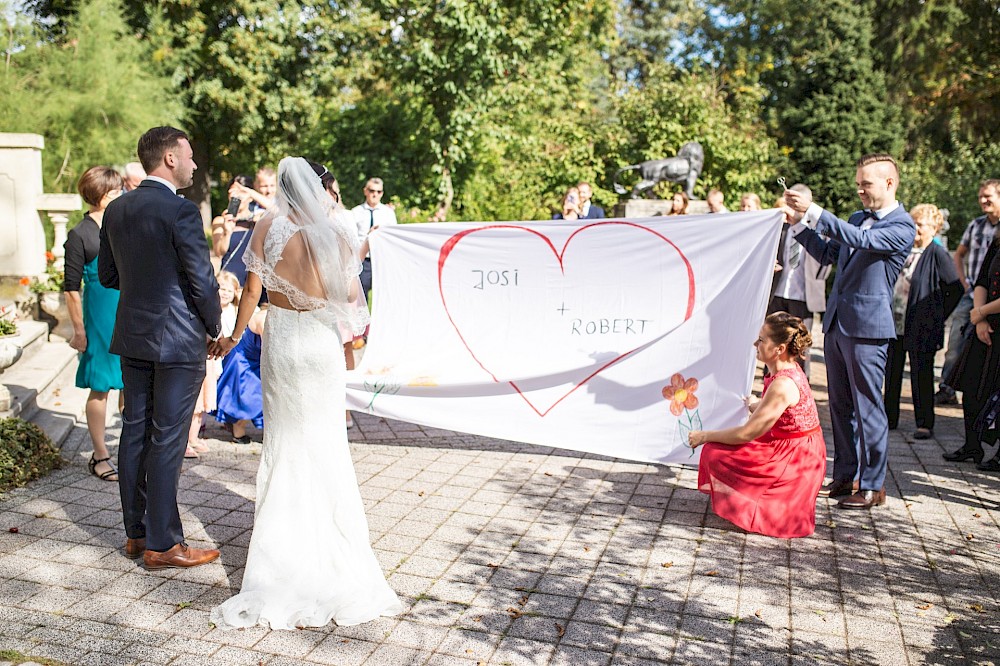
(281, 231)
(800, 417)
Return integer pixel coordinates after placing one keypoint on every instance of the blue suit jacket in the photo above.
(861, 299)
(153, 250)
(595, 213)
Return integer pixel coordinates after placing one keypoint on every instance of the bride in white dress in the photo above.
(310, 560)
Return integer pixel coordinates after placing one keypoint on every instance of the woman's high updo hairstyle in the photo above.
(784, 329)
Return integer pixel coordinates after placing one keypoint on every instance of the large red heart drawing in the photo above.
(534, 236)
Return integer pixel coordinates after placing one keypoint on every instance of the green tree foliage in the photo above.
(678, 106)
(489, 110)
(827, 102)
(457, 53)
(835, 107)
(544, 132)
(251, 74)
(89, 93)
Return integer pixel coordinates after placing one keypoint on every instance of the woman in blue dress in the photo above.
(239, 399)
(93, 311)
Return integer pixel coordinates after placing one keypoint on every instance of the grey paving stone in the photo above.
(290, 643)
(518, 651)
(583, 549)
(468, 644)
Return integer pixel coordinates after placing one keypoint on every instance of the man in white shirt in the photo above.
(372, 213)
(800, 286)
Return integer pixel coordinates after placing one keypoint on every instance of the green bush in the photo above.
(26, 453)
(7, 327)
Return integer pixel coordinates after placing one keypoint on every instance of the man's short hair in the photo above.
(872, 158)
(264, 172)
(157, 142)
(712, 193)
(990, 182)
(98, 181)
(374, 181)
(802, 188)
(582, 183)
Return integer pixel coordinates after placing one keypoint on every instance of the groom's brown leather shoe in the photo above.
(864, 499)
(839, 488)
(134, 548)
(180, 556)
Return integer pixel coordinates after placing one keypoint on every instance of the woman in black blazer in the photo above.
(926, 292)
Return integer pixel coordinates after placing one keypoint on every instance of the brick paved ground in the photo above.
(513, 554)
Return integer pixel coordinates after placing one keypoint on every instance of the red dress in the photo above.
(769, 485)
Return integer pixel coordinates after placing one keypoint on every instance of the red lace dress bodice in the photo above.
(801, 417)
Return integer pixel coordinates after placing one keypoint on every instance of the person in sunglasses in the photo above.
(372, 213)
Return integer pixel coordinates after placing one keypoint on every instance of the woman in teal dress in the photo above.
(93, 314)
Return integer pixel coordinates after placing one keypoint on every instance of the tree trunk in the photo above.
(200, 191)
(446, 189)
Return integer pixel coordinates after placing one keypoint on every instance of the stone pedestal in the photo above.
(22, 240)
(638, 208)
(59, 206)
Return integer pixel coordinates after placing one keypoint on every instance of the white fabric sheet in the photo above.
(565, 334)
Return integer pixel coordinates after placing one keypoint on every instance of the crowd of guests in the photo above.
(895, 289)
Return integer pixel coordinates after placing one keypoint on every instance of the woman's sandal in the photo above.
(105, 476)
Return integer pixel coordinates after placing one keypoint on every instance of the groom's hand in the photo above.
(219, 348)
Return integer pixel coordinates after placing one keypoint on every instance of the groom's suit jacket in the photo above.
(868, 263)
(153, 250)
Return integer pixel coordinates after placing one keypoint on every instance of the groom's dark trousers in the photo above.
(154, 251)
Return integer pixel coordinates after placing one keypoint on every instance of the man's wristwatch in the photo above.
(236, 338)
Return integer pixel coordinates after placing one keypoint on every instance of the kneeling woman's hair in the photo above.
(784, 329)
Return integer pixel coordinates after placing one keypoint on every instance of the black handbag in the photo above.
(987, 419)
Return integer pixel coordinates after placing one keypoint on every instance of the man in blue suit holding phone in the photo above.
(153, 250)
(869, 249)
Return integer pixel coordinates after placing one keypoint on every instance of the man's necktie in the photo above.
(794, 255)
(371, 218)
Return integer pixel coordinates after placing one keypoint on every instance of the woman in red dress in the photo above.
(764, 475)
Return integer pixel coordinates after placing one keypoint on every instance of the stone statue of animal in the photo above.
(684, 168)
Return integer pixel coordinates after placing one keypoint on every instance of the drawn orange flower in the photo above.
(50, 257)
(680, 393)
(25, 281)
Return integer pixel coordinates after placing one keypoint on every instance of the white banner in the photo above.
(606, 336)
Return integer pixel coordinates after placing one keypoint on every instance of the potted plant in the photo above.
(8, 329)
(50, 301)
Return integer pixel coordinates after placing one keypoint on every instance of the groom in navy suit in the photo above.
(869, 248)
(153, 250)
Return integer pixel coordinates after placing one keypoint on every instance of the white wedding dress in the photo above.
(310, 560)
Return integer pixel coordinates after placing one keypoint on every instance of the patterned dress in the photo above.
(769, 485)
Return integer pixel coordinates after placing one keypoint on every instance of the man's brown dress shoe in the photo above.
(838, 488)
(180, 556)
(134, 548)
(864, 499)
